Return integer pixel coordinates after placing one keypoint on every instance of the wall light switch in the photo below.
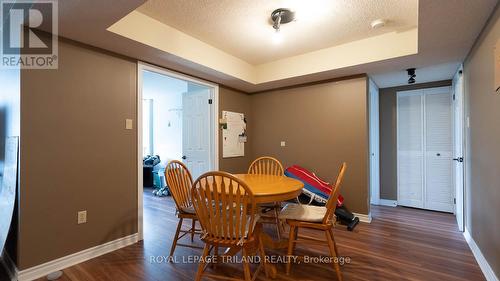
(283, 143)
(82, 217)
(128, 124)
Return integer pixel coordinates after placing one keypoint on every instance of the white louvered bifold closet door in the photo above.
(410, 149)
(425, 146)
(439, 189)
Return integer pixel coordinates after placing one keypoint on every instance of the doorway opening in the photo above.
(177, 120)
(430, 145)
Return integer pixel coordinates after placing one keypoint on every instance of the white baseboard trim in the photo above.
(387, 202)
(488, 272)
(70, 260)
(9, 265)
(364, 217)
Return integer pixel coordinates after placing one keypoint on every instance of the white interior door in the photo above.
(410, 148)
(425, 149)
(196, 131)
(439, 191)
(458, 148)
(147, 127)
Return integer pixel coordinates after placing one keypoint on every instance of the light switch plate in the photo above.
(128, 124)
(283, 143)
(82, 217)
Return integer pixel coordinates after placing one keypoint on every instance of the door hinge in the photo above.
(453, 96)
(454, 200)
(209, 101)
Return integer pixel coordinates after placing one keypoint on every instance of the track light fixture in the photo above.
(411, 75)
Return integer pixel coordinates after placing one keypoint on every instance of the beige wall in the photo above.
(388, 127)
(322, 125)
(482, 156)
(76, 154)
(233, 100)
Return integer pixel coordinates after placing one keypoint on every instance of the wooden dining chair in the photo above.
(314, 217)
(228, 216)
(267, 165)
(179, 182)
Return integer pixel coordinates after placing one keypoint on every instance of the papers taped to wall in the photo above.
(233, 134)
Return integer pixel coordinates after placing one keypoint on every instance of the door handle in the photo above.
(459, 159)
(184, 157)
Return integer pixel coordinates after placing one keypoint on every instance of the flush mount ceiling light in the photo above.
(278, 17)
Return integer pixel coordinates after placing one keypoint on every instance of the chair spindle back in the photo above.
(225, 207)
(331, 204)
(179, 182)
(266, 166)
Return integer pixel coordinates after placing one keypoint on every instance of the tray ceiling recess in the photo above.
(238, 38)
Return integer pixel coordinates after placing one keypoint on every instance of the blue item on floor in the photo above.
(159, 183)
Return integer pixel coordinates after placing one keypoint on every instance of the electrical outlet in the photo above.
(283, 143)
(82, 217)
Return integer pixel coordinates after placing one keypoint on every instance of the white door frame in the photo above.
(374, 138)
(459, 123)
(214, 135)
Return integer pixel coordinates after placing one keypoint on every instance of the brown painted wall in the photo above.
(232, 100)
(388, 138)
(76, 154)
(482, 156)
(323, 125)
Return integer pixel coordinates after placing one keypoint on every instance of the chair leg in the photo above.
(283, 226)
(201, 266)
(246, 266)
(295, 238)
(291, 243)
(263, 255)
(193, 224)
(176, 237)
(334, 243)
(333, 252)
(216, 256)
(278, 228)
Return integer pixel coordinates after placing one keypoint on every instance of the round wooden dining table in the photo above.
(269, 188)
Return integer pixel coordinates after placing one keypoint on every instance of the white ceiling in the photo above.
(242, 28)
(446, 33)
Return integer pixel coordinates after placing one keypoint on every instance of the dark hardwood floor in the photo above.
(399, 244)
